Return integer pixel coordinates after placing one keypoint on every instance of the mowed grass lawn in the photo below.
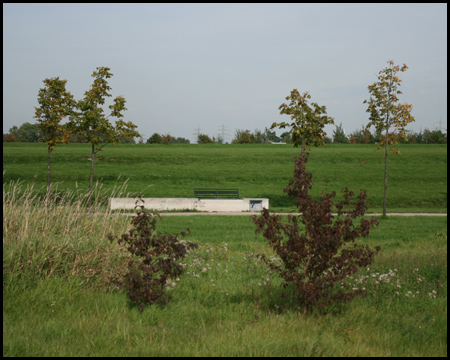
(417, 178)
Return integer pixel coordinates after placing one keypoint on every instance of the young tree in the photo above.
(339, 135)
(90, 120)
(55, 104)
(385, 113)
(307, 123)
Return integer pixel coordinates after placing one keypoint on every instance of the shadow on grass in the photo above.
(278, 200)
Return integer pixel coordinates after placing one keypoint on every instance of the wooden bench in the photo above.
(216, 193)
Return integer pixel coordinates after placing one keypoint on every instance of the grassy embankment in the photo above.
(417, 178)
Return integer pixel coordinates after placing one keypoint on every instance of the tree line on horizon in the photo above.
(30, 133)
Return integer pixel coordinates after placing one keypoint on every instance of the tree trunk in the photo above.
(385, 172)
(48, 176)
(91, 176)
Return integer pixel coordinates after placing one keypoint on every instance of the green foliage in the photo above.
(272, 136)
(204, 139)
(257, 137)
(315, 258)
(362, 136)
(267, 135)
(26, 133)
(339, 135)
(286, 137)
(180, 140)
(55, 104)
(90, 121)
(155, 139)
(307, 123)
(166, 138)
(434, 137)
(158, 255)
(385, 112)
(8, 137)
(243, 137)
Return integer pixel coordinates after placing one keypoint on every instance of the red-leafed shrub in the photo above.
(155, 261)
(318, 248)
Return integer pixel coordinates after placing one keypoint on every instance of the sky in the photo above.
(222, 67)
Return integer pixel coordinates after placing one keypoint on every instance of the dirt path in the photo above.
(241, 213)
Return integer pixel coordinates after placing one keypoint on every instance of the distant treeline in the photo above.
(364, 136)
(30, 133)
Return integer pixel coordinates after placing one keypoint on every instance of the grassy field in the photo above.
(417, 178)
(59, 268)
(59, 297)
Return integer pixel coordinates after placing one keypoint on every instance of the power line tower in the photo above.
(223, 133)
(196, 133)
(440, 124)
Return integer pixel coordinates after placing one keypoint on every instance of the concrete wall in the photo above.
(191, 204)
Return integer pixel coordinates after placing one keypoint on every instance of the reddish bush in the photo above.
(317, 248)
(155, 260)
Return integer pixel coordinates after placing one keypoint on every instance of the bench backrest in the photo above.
(216, 193)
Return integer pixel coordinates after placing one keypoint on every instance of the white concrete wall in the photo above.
(191, 204)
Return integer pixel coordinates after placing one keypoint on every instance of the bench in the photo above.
(216, 193)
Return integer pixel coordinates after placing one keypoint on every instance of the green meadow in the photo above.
(60, 295)
(417, 178)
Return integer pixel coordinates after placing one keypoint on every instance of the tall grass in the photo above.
(56, 234)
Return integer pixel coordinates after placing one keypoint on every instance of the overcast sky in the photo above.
(182, 67)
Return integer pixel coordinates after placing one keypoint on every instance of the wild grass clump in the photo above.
(58, 235)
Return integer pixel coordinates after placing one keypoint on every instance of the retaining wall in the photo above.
(246, 204)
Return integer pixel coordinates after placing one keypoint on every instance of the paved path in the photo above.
(248, 213)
